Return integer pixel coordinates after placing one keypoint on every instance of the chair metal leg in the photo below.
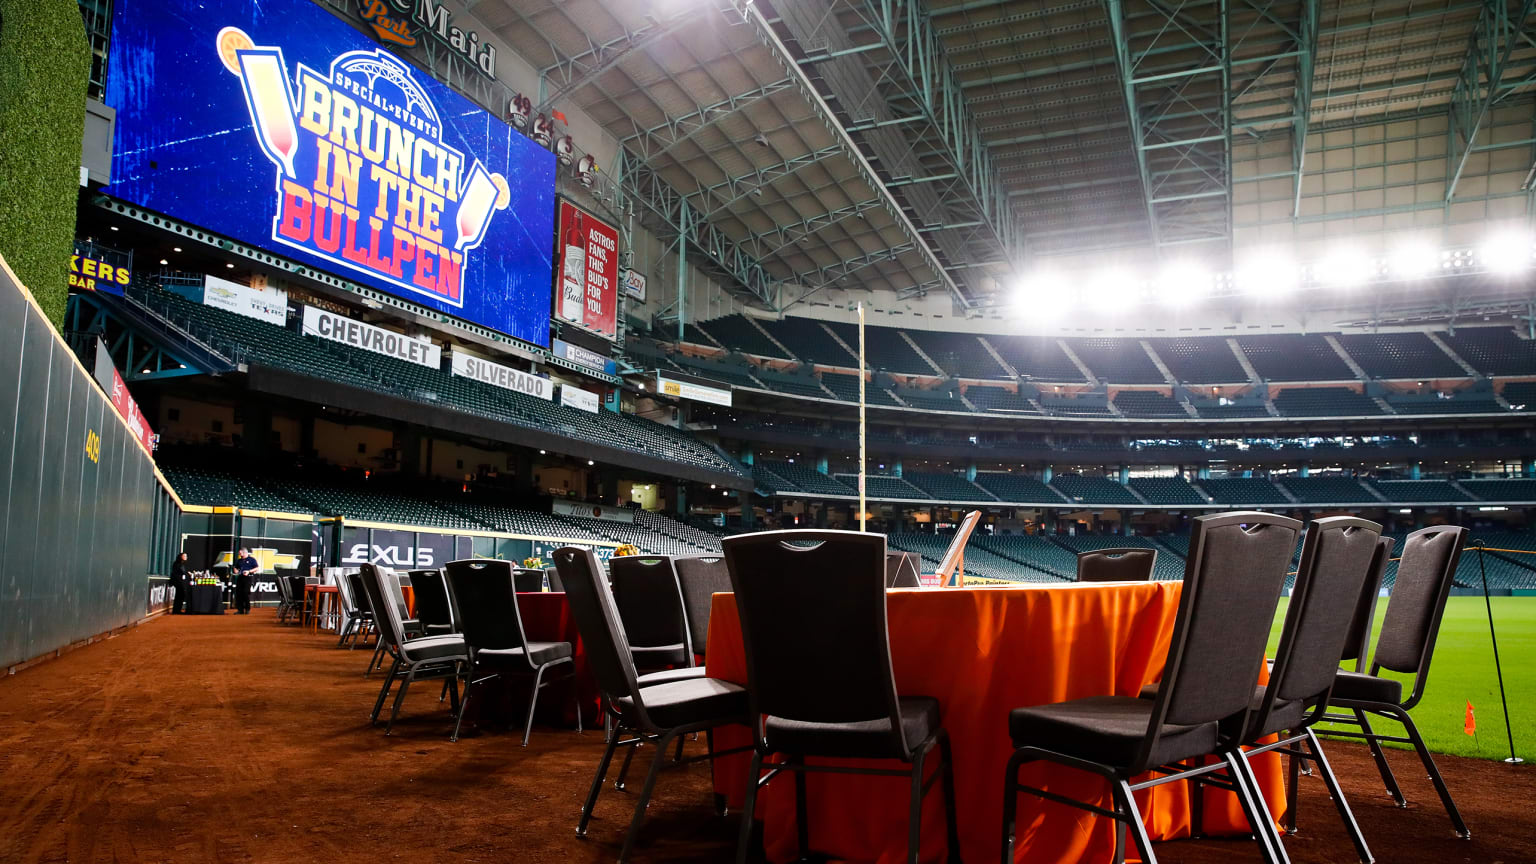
(373, 662)
(597, 785)
(802, 813)
(1381, 759)
(1293, 780)
(458, 719)
(749, 807)
(645, 799)
(951, 817)
(1138, 831)
(628, 758)
(533, 702)
(389, 681)
(1350, 825)
(915, 809)
(1010, 804)
(1196, 805)
(1434, 775)
(453, 692)
(399, 700)
(576, 697)
(678, 755)
(1255, 809)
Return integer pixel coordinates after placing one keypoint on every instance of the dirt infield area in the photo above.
(208, 739)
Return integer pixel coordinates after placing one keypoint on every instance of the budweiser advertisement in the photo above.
(278, 125)
(587, 293)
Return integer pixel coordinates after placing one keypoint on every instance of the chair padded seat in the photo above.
(870, 739)
(539, 653)
(1285, 715)
(1107, 730)
(433, 648)
(682, 673)
(655, 656)
(1360, 687)
(439, 629)
(691, 701)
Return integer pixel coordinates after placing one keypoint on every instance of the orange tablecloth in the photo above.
(982, 652)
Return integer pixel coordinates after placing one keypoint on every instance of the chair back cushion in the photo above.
(650, 603)
(555, 584)
(378, 582)
(902, 570)
(1357, 641)
(597, 620)
(1123, 564)
(701, 577)
(1232, 581)
(528, 581)
(359, 592)
(1423, 582)
(1335, 561)
(486, 591)
(813, 624)
(344, 594)
(432, 606)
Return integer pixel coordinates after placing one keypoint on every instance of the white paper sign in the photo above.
(685, 390)
(481, 369)
(576, 397)
(318, 322)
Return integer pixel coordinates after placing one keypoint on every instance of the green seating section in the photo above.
(1167, 490)
(1083, 489)
(1243, 491)
(947, 487)
(1336, 489)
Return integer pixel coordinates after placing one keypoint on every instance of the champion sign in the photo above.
(495, 374)
(424, 352)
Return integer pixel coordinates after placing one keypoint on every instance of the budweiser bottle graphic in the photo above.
(573, 280)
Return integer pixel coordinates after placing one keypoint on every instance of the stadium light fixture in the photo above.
(1412, 258)
(1112, 289)
(1267, 275)
(1183, 283)
(1344, 268)
(1043, 295)
(1506, 253)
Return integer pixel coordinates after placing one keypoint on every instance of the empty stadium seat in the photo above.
(1167, 490)
(1037, 358)
(947, 487)
(884, 349)
(1324, 402)
(1243, 491)
(1494, 350)
(1200, 360)
(1087, 490)
(809, 341)
(1327, 489)
(1399, 355)
(1017, 488)
(960, 355)
(1118, 361)
(1294, 357)
(1148, 403)
(738, 333)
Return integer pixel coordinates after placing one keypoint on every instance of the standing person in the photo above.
(181, 583)
(245, 569)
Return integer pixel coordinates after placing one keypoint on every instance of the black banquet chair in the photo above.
(701, 577)
(1232, 581)
(415, 659)
(434, 608)
(1406, 644)
(528, 581)
(1338, 557)
(813, 625)
(659, 713)
(486, 591)
(650, 605)
(1121, 564)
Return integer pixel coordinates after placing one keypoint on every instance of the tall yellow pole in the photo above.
(863, 511)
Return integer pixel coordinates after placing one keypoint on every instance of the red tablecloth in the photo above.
(982, 652)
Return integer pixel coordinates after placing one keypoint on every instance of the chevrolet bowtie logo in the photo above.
(270, 560)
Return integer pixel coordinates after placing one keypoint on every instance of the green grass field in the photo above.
(1463, 669)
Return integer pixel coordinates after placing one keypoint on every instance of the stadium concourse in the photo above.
(471, 348)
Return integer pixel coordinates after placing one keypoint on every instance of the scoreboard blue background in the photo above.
(185, 147)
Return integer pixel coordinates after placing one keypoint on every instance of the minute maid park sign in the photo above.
(364, 179)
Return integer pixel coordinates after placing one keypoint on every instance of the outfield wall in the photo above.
(85, 517)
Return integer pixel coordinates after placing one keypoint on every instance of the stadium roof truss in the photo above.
(919, 145)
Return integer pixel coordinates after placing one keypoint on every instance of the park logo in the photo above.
(364, 179)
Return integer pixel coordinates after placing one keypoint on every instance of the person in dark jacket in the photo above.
(181, 583)
(246, 567)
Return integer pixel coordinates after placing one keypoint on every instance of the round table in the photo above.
(205, 600)
(982, 652)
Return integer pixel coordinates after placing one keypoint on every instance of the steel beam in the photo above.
(783, 236)
(577, 71)
(758, 178)
(676, 130)
(1492, 40)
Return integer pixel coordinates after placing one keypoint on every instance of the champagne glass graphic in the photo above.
(266, 93)
(484, 192)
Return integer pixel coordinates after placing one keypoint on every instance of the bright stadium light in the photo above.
(1267, 275)
(1183, 283)
(1506, 253)
(1413, 259)
(1112, 289)
(1344, 268)
(1043, 295)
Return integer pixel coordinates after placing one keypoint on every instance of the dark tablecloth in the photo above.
(205, 600)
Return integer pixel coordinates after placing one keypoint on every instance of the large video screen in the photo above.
(279, 125)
